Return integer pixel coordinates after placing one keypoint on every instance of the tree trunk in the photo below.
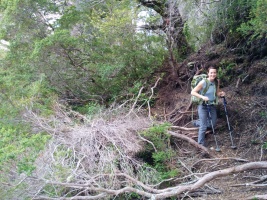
(172, 24)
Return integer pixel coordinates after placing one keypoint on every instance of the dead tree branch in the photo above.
(133, 106)
(256, 183)
(189, 140)
(258, 197)
(184, 128)
(152, 94)
(213, 159)
(151, 192)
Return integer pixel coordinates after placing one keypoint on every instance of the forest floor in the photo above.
(245, 85)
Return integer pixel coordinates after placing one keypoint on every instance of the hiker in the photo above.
(211, 98)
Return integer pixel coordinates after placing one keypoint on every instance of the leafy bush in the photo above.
(20, 148)
(160, 158)
(256, 27)
(230, 15)
(21, 92)
(226, 71)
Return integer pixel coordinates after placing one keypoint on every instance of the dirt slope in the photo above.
(245, 82)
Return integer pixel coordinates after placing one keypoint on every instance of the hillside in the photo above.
(245, 82)
(95, 99)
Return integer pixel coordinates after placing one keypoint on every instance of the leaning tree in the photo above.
(171, 24)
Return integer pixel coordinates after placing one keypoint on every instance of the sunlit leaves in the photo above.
(15, 144)
(257, 25)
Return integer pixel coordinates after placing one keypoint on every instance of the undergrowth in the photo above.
(161, 154)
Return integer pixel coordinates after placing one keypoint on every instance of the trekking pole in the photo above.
(229, 127)
(208, 107)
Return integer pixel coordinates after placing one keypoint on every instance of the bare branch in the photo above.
(152, 94)
(184, 128)
(133, 106)
(258, 197)
(191, 141)
(229, 158)
(163, 193)
(254, 183)
(144, 139)
(96, 159)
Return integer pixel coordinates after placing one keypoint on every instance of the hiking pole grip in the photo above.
(224, 103)
(224, 100)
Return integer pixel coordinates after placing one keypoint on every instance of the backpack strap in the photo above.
(206, 88)
(217, 85)
(204, 91)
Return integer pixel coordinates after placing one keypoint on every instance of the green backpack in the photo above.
(196, 79)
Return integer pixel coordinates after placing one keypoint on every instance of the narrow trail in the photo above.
(246, 106)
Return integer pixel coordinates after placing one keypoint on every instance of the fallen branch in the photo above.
(182, 113)
(151, 193)
(189, 140)
(184, 128)
(258, 197)
(201, 193)
(254, 183)
(250, 185)
(229, 158)
(209, 177)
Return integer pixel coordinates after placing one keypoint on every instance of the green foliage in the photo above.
(226, 71)
(256, 26)
(263, 114)
(197, 31)
(21, 91)
(71, 17)
(160, 159)
(2, 54)
(92, 53)
(20, 16)
(128, 196)
(158, 136)
(96, 53)
(89, 55)
(59, 38)
(230, 15)
(134, 196)
(90, 109)
(189, 36)
(17, 146)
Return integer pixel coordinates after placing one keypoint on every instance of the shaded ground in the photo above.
(245, 82)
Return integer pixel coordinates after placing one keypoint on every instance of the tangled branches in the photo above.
(96, 160)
